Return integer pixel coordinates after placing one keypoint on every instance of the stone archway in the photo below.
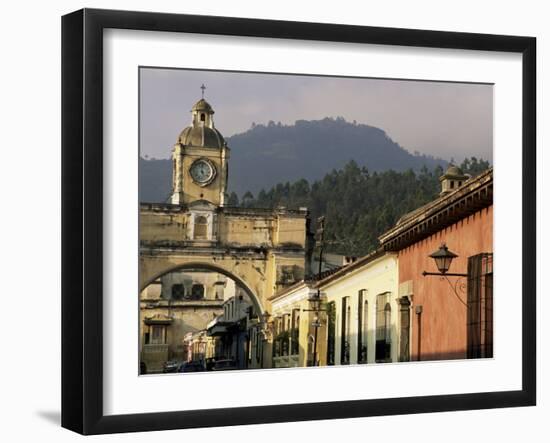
(167, 267)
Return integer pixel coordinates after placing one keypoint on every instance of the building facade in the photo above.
(363, 312)
(175, 307)
(291, 323)
(451, 315)
(353, 315)
(232, 334)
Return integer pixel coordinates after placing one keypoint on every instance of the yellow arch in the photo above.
(198, 265)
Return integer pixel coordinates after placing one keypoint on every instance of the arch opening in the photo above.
(195, 315)
(212, 268)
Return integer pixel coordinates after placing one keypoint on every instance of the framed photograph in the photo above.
(269, 221)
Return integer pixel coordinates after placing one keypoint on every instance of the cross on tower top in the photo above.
(203, 88)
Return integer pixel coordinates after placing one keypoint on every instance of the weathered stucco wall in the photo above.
(376, 277)
(263, 250)
(443, 317)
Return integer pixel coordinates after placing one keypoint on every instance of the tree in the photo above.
(233, 199)
(358, 206)
(473, 166)
(247, 200)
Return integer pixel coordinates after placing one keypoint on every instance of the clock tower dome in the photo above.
(200, 160)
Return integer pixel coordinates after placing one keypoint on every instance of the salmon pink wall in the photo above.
(443, 317)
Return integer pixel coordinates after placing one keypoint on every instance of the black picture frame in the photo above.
(82, 218)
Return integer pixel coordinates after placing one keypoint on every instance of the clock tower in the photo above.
(200, 160)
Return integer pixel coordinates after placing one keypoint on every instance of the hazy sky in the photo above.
(442, 119)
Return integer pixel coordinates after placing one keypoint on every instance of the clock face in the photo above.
(202, 171)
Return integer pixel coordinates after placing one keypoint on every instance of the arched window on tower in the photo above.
(201, 228)
(203, 117)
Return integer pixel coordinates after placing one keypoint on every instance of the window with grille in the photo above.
(284, 338)
(295, 332)
(480, 306)
(383, 329)
(201, 228)
(345, 340)
(331, 333)
(362, 318)
(259, 344)
(277, 345)
(157, 334)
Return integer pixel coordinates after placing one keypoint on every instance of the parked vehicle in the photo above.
(209, 363)
(171, 366)
(225, 365)
(192, 366)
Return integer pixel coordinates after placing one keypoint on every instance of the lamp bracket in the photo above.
(439, 274)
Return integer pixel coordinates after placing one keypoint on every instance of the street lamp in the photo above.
(443, 259)
(315, 302)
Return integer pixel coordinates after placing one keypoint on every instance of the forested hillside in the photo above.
(275, 153)
(358, 204)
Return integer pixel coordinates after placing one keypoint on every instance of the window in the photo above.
(365, 329)
(203, 117)
(295, 333)
(197, 292)
(383, 329)
(277, 345)
(405, 327)
(345, 342)
(249, 345)
(201, 227)
(452, 184)
(362, 318)
(285, 335)
(157, 334)
(178, 291)
(331, 333)
(480, 306)
(259, 345)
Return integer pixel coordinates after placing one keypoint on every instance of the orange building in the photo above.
(450, 314)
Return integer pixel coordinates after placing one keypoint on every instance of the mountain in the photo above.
(155, 180)
(274, 153)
